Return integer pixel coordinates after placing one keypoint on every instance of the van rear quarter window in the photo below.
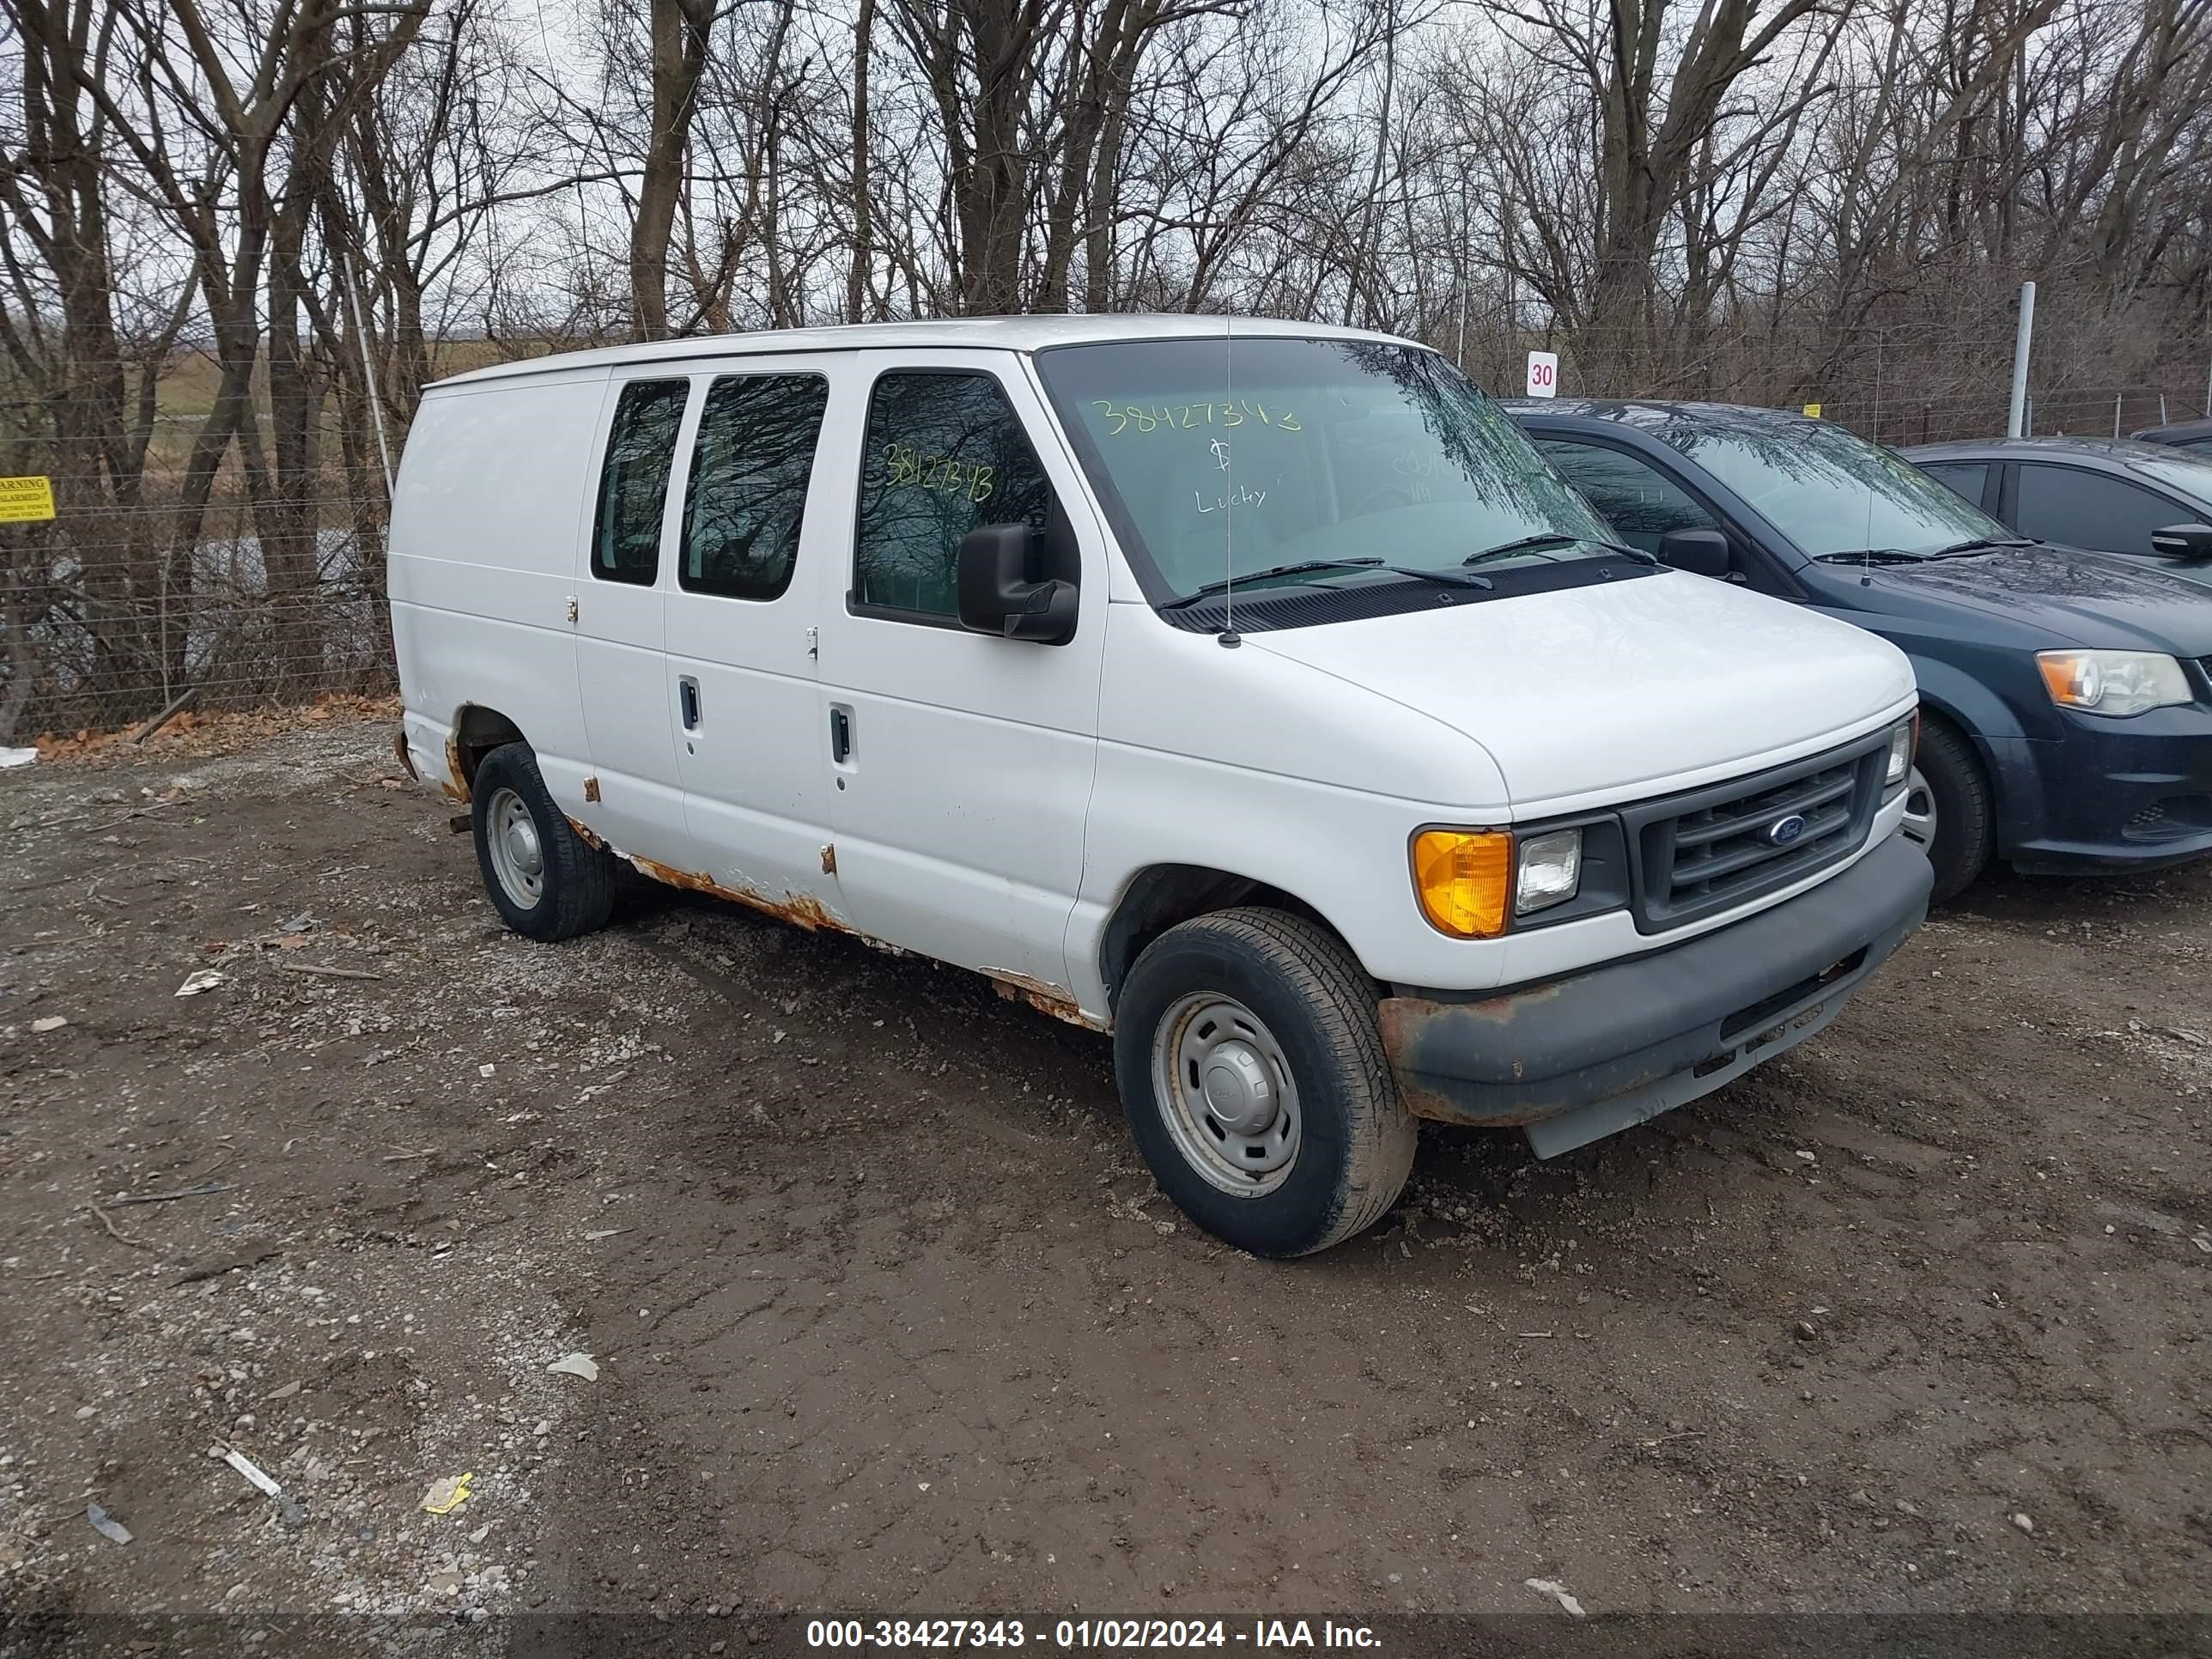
(944, 453)
(747, 491)
(634, 481)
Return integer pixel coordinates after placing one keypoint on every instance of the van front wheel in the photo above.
(545, 879)
(1254, 1081)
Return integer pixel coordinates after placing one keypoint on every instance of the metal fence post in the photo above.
(2015, 423)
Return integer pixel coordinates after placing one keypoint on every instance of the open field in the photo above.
(889, 1320)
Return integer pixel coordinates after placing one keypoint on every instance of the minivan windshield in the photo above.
(2189, 473)
(1830, 491)
(1283, 462)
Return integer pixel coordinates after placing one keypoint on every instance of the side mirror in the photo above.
(2189, 543)
(1701, 552)
(1000, 593)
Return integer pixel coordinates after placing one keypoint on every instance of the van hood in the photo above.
(1589, 694)
(2060, 596)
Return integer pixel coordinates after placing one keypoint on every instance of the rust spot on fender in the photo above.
(592, 787)
(1045, 999)
(585, 833)
(457, 783)
(406, 760)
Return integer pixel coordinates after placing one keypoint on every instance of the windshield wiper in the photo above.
(1983, 545)
(1905, 555)
(1441, 578)
(1875, 555)
(1553, 538)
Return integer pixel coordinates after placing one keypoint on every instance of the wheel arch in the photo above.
(1974, 713)
(478, 729)
(1159, 896)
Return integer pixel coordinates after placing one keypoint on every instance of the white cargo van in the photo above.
(1253, 691)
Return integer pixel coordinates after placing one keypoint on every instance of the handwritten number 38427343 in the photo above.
(905, 465)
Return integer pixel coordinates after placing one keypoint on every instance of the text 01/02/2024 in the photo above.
(1085, 1633)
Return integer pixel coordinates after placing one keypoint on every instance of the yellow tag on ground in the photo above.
(1813, 410)
(447, 1495)
(25, 500)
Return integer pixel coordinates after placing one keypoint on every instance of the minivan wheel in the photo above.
(545, 879)
(1253, 1075)
(1946, 810)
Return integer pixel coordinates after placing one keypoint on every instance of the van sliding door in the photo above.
(749, 541)
(621, 666)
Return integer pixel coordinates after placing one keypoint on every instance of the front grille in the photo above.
(1714, 849)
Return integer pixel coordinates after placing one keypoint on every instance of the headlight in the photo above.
(1901, 742)
(2112, 682)
(1551, 870)
(1464, 877)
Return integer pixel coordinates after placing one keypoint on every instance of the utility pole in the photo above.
(2015, 423)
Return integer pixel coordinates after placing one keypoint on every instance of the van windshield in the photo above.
(1294, 462)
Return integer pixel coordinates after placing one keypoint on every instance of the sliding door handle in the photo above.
(841, 736)
(687, 701)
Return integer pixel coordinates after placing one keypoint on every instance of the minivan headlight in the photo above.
(1551, 870)
(1902, 741)
(2116, 683)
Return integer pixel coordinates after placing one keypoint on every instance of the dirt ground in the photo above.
(888, 1319)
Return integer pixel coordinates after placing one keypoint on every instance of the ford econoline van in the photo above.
(1252, 691)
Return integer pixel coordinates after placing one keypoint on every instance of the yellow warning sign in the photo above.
(23, 500)
(1813, 410)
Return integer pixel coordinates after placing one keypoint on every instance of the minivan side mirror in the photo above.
(1701, 552)
(1000, 592)
(2189, 543)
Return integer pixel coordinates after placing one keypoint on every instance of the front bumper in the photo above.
(2109, 794)
(1576, 1058)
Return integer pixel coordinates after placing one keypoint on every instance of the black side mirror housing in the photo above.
(1002, 591)
(1701, 552)
(2189, 543)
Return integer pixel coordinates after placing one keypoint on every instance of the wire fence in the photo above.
(116, 609)
(1898, 386)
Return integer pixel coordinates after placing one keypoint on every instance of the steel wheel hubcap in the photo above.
(1919, 811)
(518, 858)
(1225, 1091)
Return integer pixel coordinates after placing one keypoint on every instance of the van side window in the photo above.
(1640, 503)
(749, 467)
(634, 481)
(944, 453)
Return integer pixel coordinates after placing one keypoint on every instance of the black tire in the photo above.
(1354, 1146)
(1966, 832)
(576, 880)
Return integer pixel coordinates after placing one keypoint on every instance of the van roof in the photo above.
(1000, 333)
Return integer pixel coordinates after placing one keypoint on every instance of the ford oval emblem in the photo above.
(1783, 831)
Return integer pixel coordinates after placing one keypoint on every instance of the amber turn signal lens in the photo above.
(1464, 878)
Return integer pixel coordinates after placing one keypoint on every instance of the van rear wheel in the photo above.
(545, 880)
(1254, 1081)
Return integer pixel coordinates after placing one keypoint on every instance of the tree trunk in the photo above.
(679, 61)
